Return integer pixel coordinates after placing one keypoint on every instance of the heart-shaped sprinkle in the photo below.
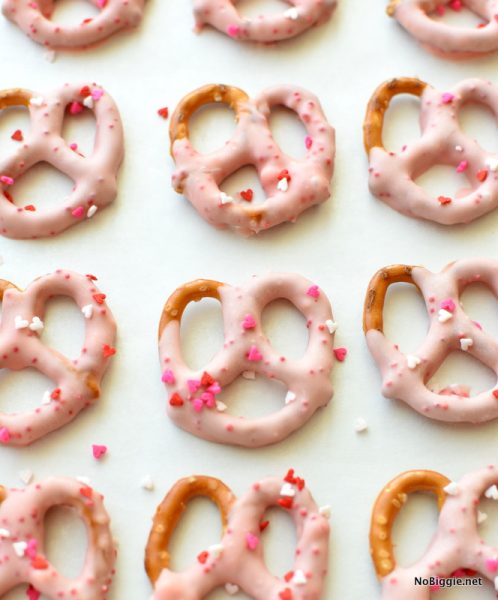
(286, 503)
(168, 377)
(36, 324)
(108, 351)
(202, 557)
(288, 490)
(452, 489)
(252, 541)
(444, 315)
(233, 30)
(492, 564)
(331, 326)
(231, 589)
(340, 354)
(313, 291)
(86, 492)
(249, 322)
(20, 548)
(247, 195)
(91, 211)
(39, 563)
(254, 355)
(20, 323)
(99, 451)
(193, 385)
(290, 397)
(299, 578)
(4, 435)
(448, 305)
(17, 136)
(292, 14)
(285, 594)
(466, 343)
(88, 102)
(32, 593)
(78, 212)
(99, 298)
(31, 548)
(176, 400)
(163, 112)
(412, 361)
(75, 108)
(225, 198)
(87, 311)
(36, 101)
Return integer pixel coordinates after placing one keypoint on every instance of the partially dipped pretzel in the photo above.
(291, 186)
(194, 395)
(393, 175)
(405, 377)
(456, 548)
(238, 561)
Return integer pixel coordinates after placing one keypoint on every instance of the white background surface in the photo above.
(151, 240)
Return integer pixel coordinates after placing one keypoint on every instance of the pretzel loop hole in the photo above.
(387, 507)
(373, 124)
(170, 511)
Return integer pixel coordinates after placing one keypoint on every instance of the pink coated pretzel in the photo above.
(194, 401)
(34, 19)
(446, 40)
(300, 16)
(22, 560)
(456, 549)
(77, 382)
(405, 377)
(94, 176)
(392, 175)
(291, 185)
(238, 560)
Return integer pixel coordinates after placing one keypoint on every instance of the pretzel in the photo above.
(194, 403)
(456, 549)
(94, 176)
(405, 377)
(446, 40)
(238, 560)
(291, 185)
(300, 16)
(22, 537)
(34, 18)
(77, 382)
(392, 175)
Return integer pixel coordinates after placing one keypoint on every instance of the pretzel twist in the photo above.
(94, 176)
(393, 175)
(448, 41)
(77, 382)
(199, 176)
(194, 402)
(22, 515)
(300, 16)
(405, 377)
(34, 19)
(456, 548)
(238, 559)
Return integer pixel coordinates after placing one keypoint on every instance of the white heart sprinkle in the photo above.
(221, 406)
(36, 101)
(225, 198)
(412, 361)
(288, 490)
(283, 184)
(231, 589)
(91, 211)
(87, 310)
(47, 397)
(147, 483)
(444, 315)
(299, 578)
(26, 476)
(466, 343)
(325, 511)
(452, 488)
(36, 324)
(84, 480)
(360, 425)
(20, 323)
(20, 548)
(331, 326)
(290, 397)
(491, 493)
(215, 550)
(492, 164)
(248, 374)
(88, 102)
(4, 533)
(481, 517)
(291, 13)
(459, 148)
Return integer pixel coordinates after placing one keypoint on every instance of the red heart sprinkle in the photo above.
(444, 200)
(288, 576)
(286, 502)
(17, 136)
(108, 351)
(207, 380)
(91, 277)
(87, 492)
(56, 394)
(247, 195)
(85, 91)
(286, 594)
(163, 112)
(495, 394)
(263, 525)
(289, 478)
(176, 400)
(482, 175)
(203, 556)
(340, 354)
(30, 208)
(39, 562)
(99, 298)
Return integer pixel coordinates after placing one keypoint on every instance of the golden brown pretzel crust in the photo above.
(386, 509)
(391, 7)
(376, 294)
(6, 285)
(171, 509)
(15, 97)
(379, 103)
(190, 292)
(232, 96)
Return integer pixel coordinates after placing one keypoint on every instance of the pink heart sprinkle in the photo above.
(4, 435)
(32, 593)
(249, 322)
(462, 166)
(208, 399)
(198, 404)
(168, 376)
(252, 541)
(99, 451)
(492, 564)
(254, 354)
(101, 3)
(448, 305)
(73, 147)
(233, 30)
(7, 180)
(447, 97)
(76, 108)
(193, 385)
(308, 142)
(340, 354)
(78, 212)
(215, 388)
(314, 291)
(31, 549)
(97, 94)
